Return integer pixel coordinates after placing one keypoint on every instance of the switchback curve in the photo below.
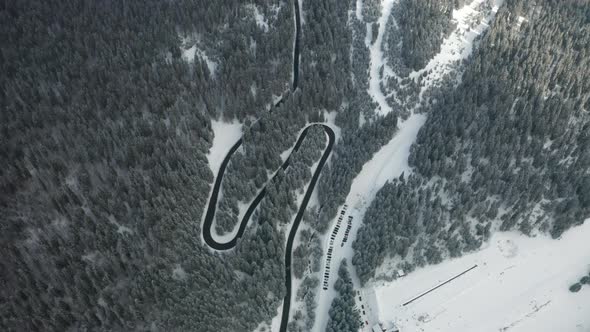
(212, 206)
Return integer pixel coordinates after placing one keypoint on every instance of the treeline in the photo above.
(307, 255)
(260, 155)
(280, 203)
(304, 317)
(508, 149)
(343, 314)
(423, 24)
(325, 54)
(254, 61)
(348, 158)
(104, 177)
(359, 140)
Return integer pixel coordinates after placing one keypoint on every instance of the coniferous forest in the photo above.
(508, 149)
(106, 111)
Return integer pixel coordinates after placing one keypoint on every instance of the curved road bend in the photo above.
(211, 208)
(215, 193)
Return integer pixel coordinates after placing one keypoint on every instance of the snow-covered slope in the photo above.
(388, 163)
(260, 19)
(519, 284)
(226, 134)
(471, 21)
(377, 60)
(189, 53)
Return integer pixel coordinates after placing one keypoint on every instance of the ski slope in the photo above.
(519, 284)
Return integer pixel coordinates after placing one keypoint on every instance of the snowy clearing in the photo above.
(377, 61)
(274, 324)
(226, 134)
(471, 21)
(520, 284)
(358, 10)
(392, 159)
(260, 20)
(188, 54)
(388, 163)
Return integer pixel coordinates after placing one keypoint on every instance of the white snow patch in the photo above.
(211, 65)
(519, 284)
(471, 23)
(124, 230)
(260, 20)
(91, 257)
(520, 20)
(388, 163)
(359, 10)
(234, 132)
(330, 118)
(368, 35)
(226, 134)
(179, 273)
(377, 61)
(121, 229)
(275, 323)
(362, 119)
(295, 282)
(276, 99)
(188, 54)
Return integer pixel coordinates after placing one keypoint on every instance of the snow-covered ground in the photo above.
(188, 54)
(392, 159)
(471, 21)
(260, 19)
(299, 195)
(519, 284)
(330, 118)
(388, 163)
(377, 60)
(275, 323)
(225, 135)
(358, 10)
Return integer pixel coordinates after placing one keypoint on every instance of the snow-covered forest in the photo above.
(462, 137)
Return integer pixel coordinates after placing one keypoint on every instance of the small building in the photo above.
(385, 327)
(389, 327)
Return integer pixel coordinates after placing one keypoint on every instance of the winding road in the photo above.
(212, 205)
(211, 208)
